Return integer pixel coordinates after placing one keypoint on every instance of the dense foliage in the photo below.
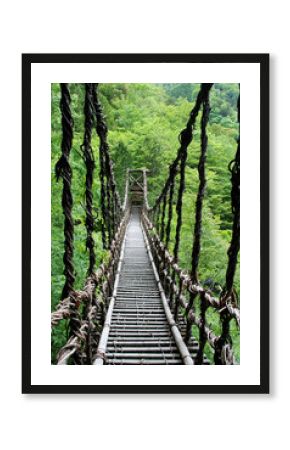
(144, 122)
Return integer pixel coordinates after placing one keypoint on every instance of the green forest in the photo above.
(144, 122)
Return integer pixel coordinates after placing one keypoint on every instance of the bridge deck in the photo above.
(139, 330)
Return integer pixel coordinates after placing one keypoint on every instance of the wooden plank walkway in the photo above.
(139, 330)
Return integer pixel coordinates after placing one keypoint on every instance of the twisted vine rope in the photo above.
(201, 189)
(90, 166)
(63, 170)
(224, 354)
(198, 223)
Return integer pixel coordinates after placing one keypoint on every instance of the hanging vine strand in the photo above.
(223, 353)
(201, 189)
(63, 170)
(90, 166)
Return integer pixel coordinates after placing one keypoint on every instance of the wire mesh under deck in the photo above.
(139, 332)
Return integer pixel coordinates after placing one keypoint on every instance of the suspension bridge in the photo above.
(140, 307)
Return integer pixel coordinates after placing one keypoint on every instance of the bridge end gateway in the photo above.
(137, 187)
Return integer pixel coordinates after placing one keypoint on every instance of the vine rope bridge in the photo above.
(140, 307)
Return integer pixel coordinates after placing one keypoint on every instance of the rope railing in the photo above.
(162, 254)
(182, 289)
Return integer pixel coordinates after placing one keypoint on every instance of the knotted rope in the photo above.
(63, 170)
(86, 148)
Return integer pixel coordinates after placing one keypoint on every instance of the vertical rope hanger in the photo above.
(162, 229)
(63, 170)
(201, 189)
(101, 130)
(109, 206)
(185, 141)
(224, 353)
(198, 226)
(170, 211)
(234, 248)
(86, 148)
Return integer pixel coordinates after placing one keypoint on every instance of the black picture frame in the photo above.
(27, 61)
